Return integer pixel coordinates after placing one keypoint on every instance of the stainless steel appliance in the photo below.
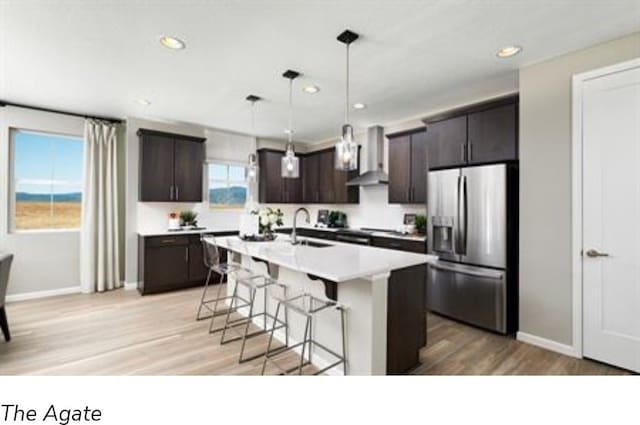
(353, 236)
(473, 229)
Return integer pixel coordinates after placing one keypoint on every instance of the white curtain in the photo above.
(99, 260)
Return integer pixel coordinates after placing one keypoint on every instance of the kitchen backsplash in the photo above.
(373, 211)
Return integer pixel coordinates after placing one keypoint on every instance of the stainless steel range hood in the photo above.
(375, 151)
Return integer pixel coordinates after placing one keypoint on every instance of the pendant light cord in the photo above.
(290, 112)
(346, 111)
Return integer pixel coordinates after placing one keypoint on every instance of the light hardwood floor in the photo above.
(122, 333)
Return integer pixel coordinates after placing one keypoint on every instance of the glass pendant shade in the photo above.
(290, 164)
(252, 169)
(346, 156)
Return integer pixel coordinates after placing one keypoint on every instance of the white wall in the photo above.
(545, 185)
(48, 260)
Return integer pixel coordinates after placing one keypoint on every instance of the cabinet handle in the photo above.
(177, 192)
(186, 254)
(171, 192)
(168, 240)
(463, 155)
(470, 150)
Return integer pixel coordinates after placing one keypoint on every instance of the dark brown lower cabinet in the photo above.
(409, 245)
(406, 318)
(167, 263)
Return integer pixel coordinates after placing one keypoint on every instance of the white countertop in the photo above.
(167, 232)
(339, 262)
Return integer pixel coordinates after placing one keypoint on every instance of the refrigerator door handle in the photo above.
(467, 271)
(461, 216)
(465, 215)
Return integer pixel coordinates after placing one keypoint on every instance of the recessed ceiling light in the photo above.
(143, 102)
(311, 89)
(359, 105)
(508, 51)
(172, 43)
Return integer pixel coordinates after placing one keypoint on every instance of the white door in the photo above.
(611, 219)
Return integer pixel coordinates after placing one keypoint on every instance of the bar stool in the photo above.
(211, 258)
(310, 307)
(252, 283)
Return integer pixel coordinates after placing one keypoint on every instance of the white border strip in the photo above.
(548, 344)
(43, 294)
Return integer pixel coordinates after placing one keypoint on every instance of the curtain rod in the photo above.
(4, 103)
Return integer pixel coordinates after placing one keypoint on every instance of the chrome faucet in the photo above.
(294, 236)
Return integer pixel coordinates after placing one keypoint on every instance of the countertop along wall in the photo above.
(545, 186)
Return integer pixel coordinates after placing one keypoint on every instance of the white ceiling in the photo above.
(97, 57)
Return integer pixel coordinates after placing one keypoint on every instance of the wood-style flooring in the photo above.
(123, 333)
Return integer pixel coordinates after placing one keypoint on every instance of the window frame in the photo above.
(227, 163)
(11, 180)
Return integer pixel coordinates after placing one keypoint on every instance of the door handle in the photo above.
(177, 192)
(594, 253)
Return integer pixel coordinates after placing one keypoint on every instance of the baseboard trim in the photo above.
(548, 344)
(130, 286)
(43, 294)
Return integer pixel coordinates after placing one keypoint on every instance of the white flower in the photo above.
(264, 220)
(263, 213)
(273, 218)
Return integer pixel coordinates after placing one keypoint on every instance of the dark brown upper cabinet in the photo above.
(447, 142)
(492, 135)
(171, 167)
(477, 134)
(408, 167)
(319, 181)
(311, 179)
(271, 183)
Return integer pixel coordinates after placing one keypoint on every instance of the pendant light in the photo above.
(290, 162)
(252, 166)
(346, 157)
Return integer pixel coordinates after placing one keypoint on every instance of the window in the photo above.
(47, 180)
(227, 185)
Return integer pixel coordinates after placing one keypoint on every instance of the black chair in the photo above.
(5, 267)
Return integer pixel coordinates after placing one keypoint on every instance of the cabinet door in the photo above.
(399, 169)
(156, 168)
(418, 168)
(270, 185)
(493, 135)
(326, 177)
(197, 269)
(311, 179)
(292, 188)
(188, 166)
(166, 266)
(446, 142)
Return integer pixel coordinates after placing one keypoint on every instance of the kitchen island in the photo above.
(383, 291)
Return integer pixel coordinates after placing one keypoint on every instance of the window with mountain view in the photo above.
(47, 180)
(227, 185)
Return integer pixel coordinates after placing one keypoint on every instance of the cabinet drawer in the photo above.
(400, 244)
(168, 240)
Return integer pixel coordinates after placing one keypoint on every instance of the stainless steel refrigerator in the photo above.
(473, 229)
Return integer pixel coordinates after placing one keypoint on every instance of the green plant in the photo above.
(188, 218)
(421, 223)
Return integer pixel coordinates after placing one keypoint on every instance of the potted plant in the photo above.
(268, 218)
(188, 218)
(421, 223)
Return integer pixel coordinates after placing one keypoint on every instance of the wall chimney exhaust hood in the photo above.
(375, 153)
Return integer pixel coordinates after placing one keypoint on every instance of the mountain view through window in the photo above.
(47, 176)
